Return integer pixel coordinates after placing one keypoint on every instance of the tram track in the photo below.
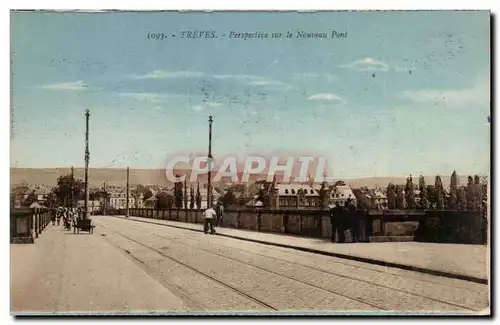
(337, 261)
(236, 290)
(172, 287)
(306, 266)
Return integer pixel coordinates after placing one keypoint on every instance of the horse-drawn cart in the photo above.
(83, 225)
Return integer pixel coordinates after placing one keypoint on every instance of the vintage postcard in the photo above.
(250, 163)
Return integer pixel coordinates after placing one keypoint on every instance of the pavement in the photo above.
(129, 266)
(467, 262)
(81, 273)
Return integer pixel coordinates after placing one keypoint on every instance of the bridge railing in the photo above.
(308, 223)
(26, 224)
(439, 226)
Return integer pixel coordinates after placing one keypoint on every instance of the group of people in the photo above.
(213, 216)
(67, 215)
(344, 218)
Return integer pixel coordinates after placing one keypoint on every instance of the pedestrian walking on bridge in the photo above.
(352, 220)
(59, 212)
(219, 210)
(68, 217)
(337, 220)
(209, 216)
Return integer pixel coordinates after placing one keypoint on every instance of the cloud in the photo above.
(78, 85)
(249, 80)
(151, 97)
(330, 97)
(233, 76)
(367, 64)
(320, 76)
(479, 93)
(161, 74)
(199, 108)
(252, 80)
(268, 82)
(370, 64)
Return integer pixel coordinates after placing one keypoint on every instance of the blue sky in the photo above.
(404, 93)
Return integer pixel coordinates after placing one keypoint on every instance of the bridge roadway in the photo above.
(129, 266)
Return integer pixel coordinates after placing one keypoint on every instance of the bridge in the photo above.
(142, 265)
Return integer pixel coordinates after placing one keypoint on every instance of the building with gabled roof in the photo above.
(340, 193)
(41, 192)
(294, 196)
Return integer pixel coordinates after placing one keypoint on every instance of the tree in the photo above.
(484, 192)
(98, 194)
(17, 193)
(32, 197)
(185, 193)
(229, 198)
(478, 193)
(432, 196)
(262, 197)
(178, 194)
(191, 196)
(323, 196)
(439, 193)
(400, 199)
(239, 189)
(461, 199)
(198, 196)
(363, 202)
(164, 201)
(19, 190)
(63, 190)
(391, 196)
(255, 188)
(454, 191)
(51, 200)
(137, 192)
(409, 194)
(470, 193)
(94, 194)
(424, 200)
(147, 194)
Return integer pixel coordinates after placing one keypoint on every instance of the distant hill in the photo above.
(118, 177)
(97, 176)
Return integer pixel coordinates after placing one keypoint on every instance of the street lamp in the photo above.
(209, 193)
(87, 156)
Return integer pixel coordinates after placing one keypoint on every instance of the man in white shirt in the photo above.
(209, 216)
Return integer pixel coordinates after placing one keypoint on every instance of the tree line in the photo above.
(472, 196)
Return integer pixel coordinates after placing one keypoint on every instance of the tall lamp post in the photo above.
(128, 191)
(209, 190)
(71, 194)
(87, 156)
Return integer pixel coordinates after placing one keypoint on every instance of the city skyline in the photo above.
(384, 101)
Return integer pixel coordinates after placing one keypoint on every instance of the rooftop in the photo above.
(293, 189)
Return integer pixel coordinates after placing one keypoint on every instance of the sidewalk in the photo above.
(467, 262)
(64, 272)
